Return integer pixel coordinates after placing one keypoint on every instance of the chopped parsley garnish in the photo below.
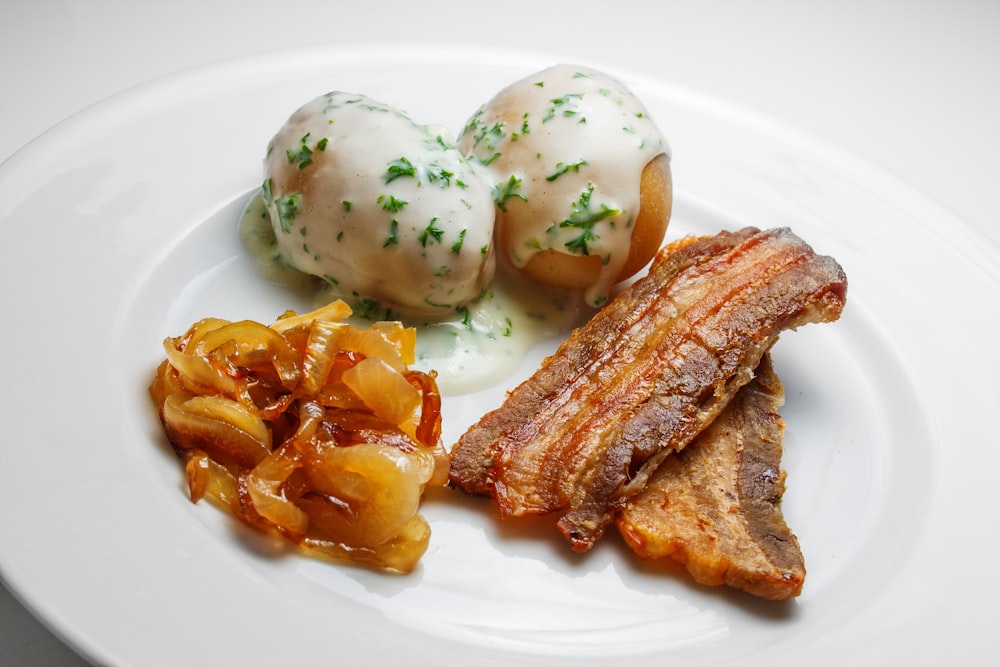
(611, 95)
(393, 237)
(456, 247)
(489, 135)
(304, 155)
(584, 218)
(391, 203)
(565, 106)
(485, 138)
(368, 309)
(443, 144)
(288, 208)
(505, 190)
(399, 169)
(433, 172)
(466, 317)
(562, 168)
(330, 103)
(436, 172)
(488, 160)
(525, 129)
(473, 123)
(435, 304)
(431, 232)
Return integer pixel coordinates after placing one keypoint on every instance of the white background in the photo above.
(912, 87)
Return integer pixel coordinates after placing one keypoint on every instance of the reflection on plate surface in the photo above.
(151, 239)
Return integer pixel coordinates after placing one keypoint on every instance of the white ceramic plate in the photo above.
(120, 229)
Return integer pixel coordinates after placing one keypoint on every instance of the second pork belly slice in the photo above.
(716, 505)
(644, 377)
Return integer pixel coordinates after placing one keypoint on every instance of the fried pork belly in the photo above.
(648, 373)
(716, 505)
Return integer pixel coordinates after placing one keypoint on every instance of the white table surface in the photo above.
(911, 86)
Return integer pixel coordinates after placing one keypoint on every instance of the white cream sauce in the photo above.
(479, 345)
(565, 149)
(381, 208)
(489, 343)
(392, 218)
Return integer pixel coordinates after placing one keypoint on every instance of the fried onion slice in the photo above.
(310, 428)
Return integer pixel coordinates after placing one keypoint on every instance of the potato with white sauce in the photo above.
(580, 174)
(384, 209)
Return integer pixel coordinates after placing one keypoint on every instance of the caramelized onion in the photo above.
(236, 347)
(363, 495)
(429, 429)
(216, 424)
(400, 553)
(383, 390)
(206, 477)
(310, 428)
(319, 356)
(265, 490)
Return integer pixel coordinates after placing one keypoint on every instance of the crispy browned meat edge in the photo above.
(640, 445)
(716, 505)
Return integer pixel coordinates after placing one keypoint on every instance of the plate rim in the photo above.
(158, 85)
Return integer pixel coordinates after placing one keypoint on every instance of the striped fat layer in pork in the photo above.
(715, 506)
(644, 377)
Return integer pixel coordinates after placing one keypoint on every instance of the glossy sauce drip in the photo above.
(480, 345)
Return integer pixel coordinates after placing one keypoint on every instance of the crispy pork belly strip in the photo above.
(644, 377)
(716, 505)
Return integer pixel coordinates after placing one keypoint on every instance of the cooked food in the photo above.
(716, 505)
(648, 373)
(310, 429)
(386, 210)
(580, 174)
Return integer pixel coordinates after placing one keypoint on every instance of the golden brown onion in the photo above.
(311, 429)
